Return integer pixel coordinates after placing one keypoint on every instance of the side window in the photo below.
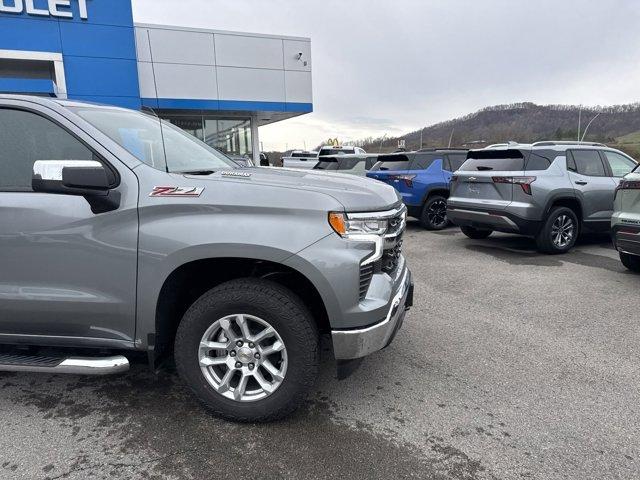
(538, 161)
(620, 165)
(26, 137)
(588, 163)
(421, 162)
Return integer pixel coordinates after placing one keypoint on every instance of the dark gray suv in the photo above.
(548, 190)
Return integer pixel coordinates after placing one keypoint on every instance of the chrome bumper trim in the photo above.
(351, 344)
(472, 213)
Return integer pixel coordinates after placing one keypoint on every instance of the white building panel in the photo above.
(292, 58)
(147, 82)
(249, 84)
(249, 51)
(298, 87)
(184, 47)
(186, 81)
(143, 51)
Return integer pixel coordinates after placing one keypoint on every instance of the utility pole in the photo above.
(451, 137)
(421, 144)
(579, 121)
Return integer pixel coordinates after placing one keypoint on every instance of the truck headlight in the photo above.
(351, 227)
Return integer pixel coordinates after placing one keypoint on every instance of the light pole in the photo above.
(579, 119)
(588, 125)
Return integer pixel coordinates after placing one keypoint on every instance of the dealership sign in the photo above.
(51, 8)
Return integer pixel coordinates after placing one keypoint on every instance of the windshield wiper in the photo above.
(197, 172)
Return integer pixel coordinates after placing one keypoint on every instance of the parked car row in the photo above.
(308, 160)
(551, 191)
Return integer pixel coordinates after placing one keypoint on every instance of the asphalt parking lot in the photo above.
(511, 365)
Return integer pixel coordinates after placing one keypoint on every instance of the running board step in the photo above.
(74, 365)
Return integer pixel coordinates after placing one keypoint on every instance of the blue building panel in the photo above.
(101, 12)
(17, 33)
(105, 41)
(101, 76)
(124, 102)
(37, 86)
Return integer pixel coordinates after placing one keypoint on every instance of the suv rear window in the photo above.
(490, 160)
(392, 162)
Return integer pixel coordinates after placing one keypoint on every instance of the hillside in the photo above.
(617, 125)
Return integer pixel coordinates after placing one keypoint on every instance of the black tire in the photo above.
(434, 213)
(285, 312)
(632, 262)
(547, 238)
(476, 233)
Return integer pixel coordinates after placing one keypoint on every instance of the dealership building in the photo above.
(219, 86)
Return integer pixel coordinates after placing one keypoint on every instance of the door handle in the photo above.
(581, 182)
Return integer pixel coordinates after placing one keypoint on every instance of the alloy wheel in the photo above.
(437, 213)
(243, 357)
(562, 231)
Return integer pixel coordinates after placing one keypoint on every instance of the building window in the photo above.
(232, 136)
(229, 135)
(190, 124)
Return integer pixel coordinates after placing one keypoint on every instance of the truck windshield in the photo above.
(154, 142)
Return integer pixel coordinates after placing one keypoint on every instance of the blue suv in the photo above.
(422, 178)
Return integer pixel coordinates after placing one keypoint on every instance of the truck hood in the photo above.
(354, 193)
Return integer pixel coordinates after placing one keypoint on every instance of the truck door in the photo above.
(67, 275)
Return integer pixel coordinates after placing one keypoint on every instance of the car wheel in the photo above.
(476, 233)
(434, 213)
(249, 350)
(632, 262)
(559, 232)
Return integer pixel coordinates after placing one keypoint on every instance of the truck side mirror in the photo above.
(84, 178)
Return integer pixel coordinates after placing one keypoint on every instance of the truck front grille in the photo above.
(391, 257)
(366, 274)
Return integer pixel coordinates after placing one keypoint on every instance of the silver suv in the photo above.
(548, 190)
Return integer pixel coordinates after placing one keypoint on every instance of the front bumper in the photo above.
(357, 343)
(626, 239)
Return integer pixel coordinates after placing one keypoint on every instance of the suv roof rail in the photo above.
(551, 143)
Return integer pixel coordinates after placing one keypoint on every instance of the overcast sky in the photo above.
(397, 65)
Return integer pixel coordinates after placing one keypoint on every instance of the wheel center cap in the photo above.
(245, 355)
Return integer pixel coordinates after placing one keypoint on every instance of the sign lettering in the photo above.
(56, 8)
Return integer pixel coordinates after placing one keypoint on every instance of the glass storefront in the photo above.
(229, 135)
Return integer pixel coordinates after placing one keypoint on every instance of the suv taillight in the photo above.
(524, 182)
(407, 179)
(627, 185)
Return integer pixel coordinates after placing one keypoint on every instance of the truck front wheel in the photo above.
(249, 350)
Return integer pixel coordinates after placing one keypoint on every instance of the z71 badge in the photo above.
(176, 191)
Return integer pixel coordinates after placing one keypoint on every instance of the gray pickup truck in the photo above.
(121, 233)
